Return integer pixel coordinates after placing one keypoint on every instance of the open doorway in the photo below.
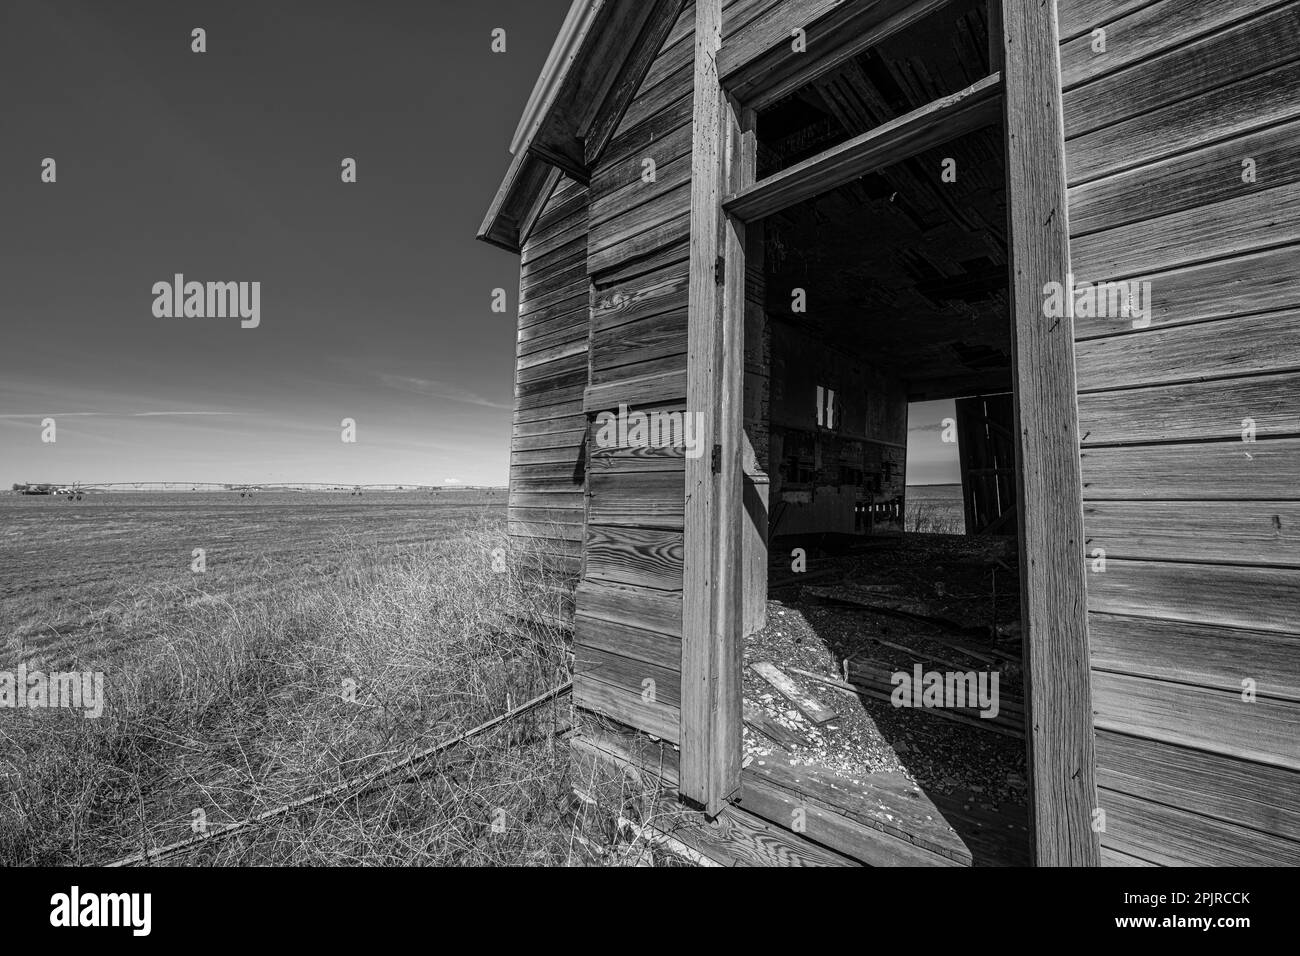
(882, 680)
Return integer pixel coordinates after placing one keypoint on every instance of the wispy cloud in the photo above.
(39, 415)
(926, 427)
(152, 414)
(432, 389)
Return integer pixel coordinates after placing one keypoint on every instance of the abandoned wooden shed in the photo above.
(767, 226)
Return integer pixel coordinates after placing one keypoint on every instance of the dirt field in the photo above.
(76, 576)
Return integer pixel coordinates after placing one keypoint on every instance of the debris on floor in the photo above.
(946, 603)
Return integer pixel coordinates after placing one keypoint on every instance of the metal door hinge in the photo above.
(720, 270)
(717, 459)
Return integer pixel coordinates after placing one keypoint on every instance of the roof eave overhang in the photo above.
(579, 82)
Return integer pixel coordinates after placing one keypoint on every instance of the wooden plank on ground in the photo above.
(805, 703)
(761, 722)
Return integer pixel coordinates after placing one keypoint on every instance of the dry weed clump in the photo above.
(231, 708)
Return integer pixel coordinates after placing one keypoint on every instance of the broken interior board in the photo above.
(806, 704)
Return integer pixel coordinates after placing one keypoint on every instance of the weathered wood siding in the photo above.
(1201, 588)
(628, 625)
(547, 448)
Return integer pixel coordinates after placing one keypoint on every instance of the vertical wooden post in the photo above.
(700, 770)
(1054, 608)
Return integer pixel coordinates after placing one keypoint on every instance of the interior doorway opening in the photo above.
(882, 680)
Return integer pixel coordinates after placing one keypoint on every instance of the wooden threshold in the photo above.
(883, 819)
(972, 108)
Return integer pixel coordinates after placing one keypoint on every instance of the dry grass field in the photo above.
(935, 509)
(328, 636)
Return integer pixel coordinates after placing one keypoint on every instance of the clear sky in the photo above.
(931, 460)
(225, 166)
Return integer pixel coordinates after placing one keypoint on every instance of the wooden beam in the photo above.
(701, 780)
(534, 212)
(759, 66)
(1054, 612)
(566, 160)
(945, 119)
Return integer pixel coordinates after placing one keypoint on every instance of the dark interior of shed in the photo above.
(888, 290)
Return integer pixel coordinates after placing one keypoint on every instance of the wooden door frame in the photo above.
(724, 195)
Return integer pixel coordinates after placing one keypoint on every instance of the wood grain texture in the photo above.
(636, 607)
(1183, 72)
(643, 499)
(636, 389)
(831, 827)
(1222, 532)
(1266, 599)
(700, 777)
(737, 838)
(1207, 655)
(643, 557)
(1051, 511)
(1248, 104)
(1265, 730)
(547, 452)
(1148, 31)
(1260, 282)
(646, 48)
(1208, 471)
(637, 643)
(662, 291)
(1171, 836)
(1192, 411)
(1188, 180)
(627, 706)
(1237, 791)
(655, 683)
(1227, 227)
(1081, 16)
(1224, 348)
